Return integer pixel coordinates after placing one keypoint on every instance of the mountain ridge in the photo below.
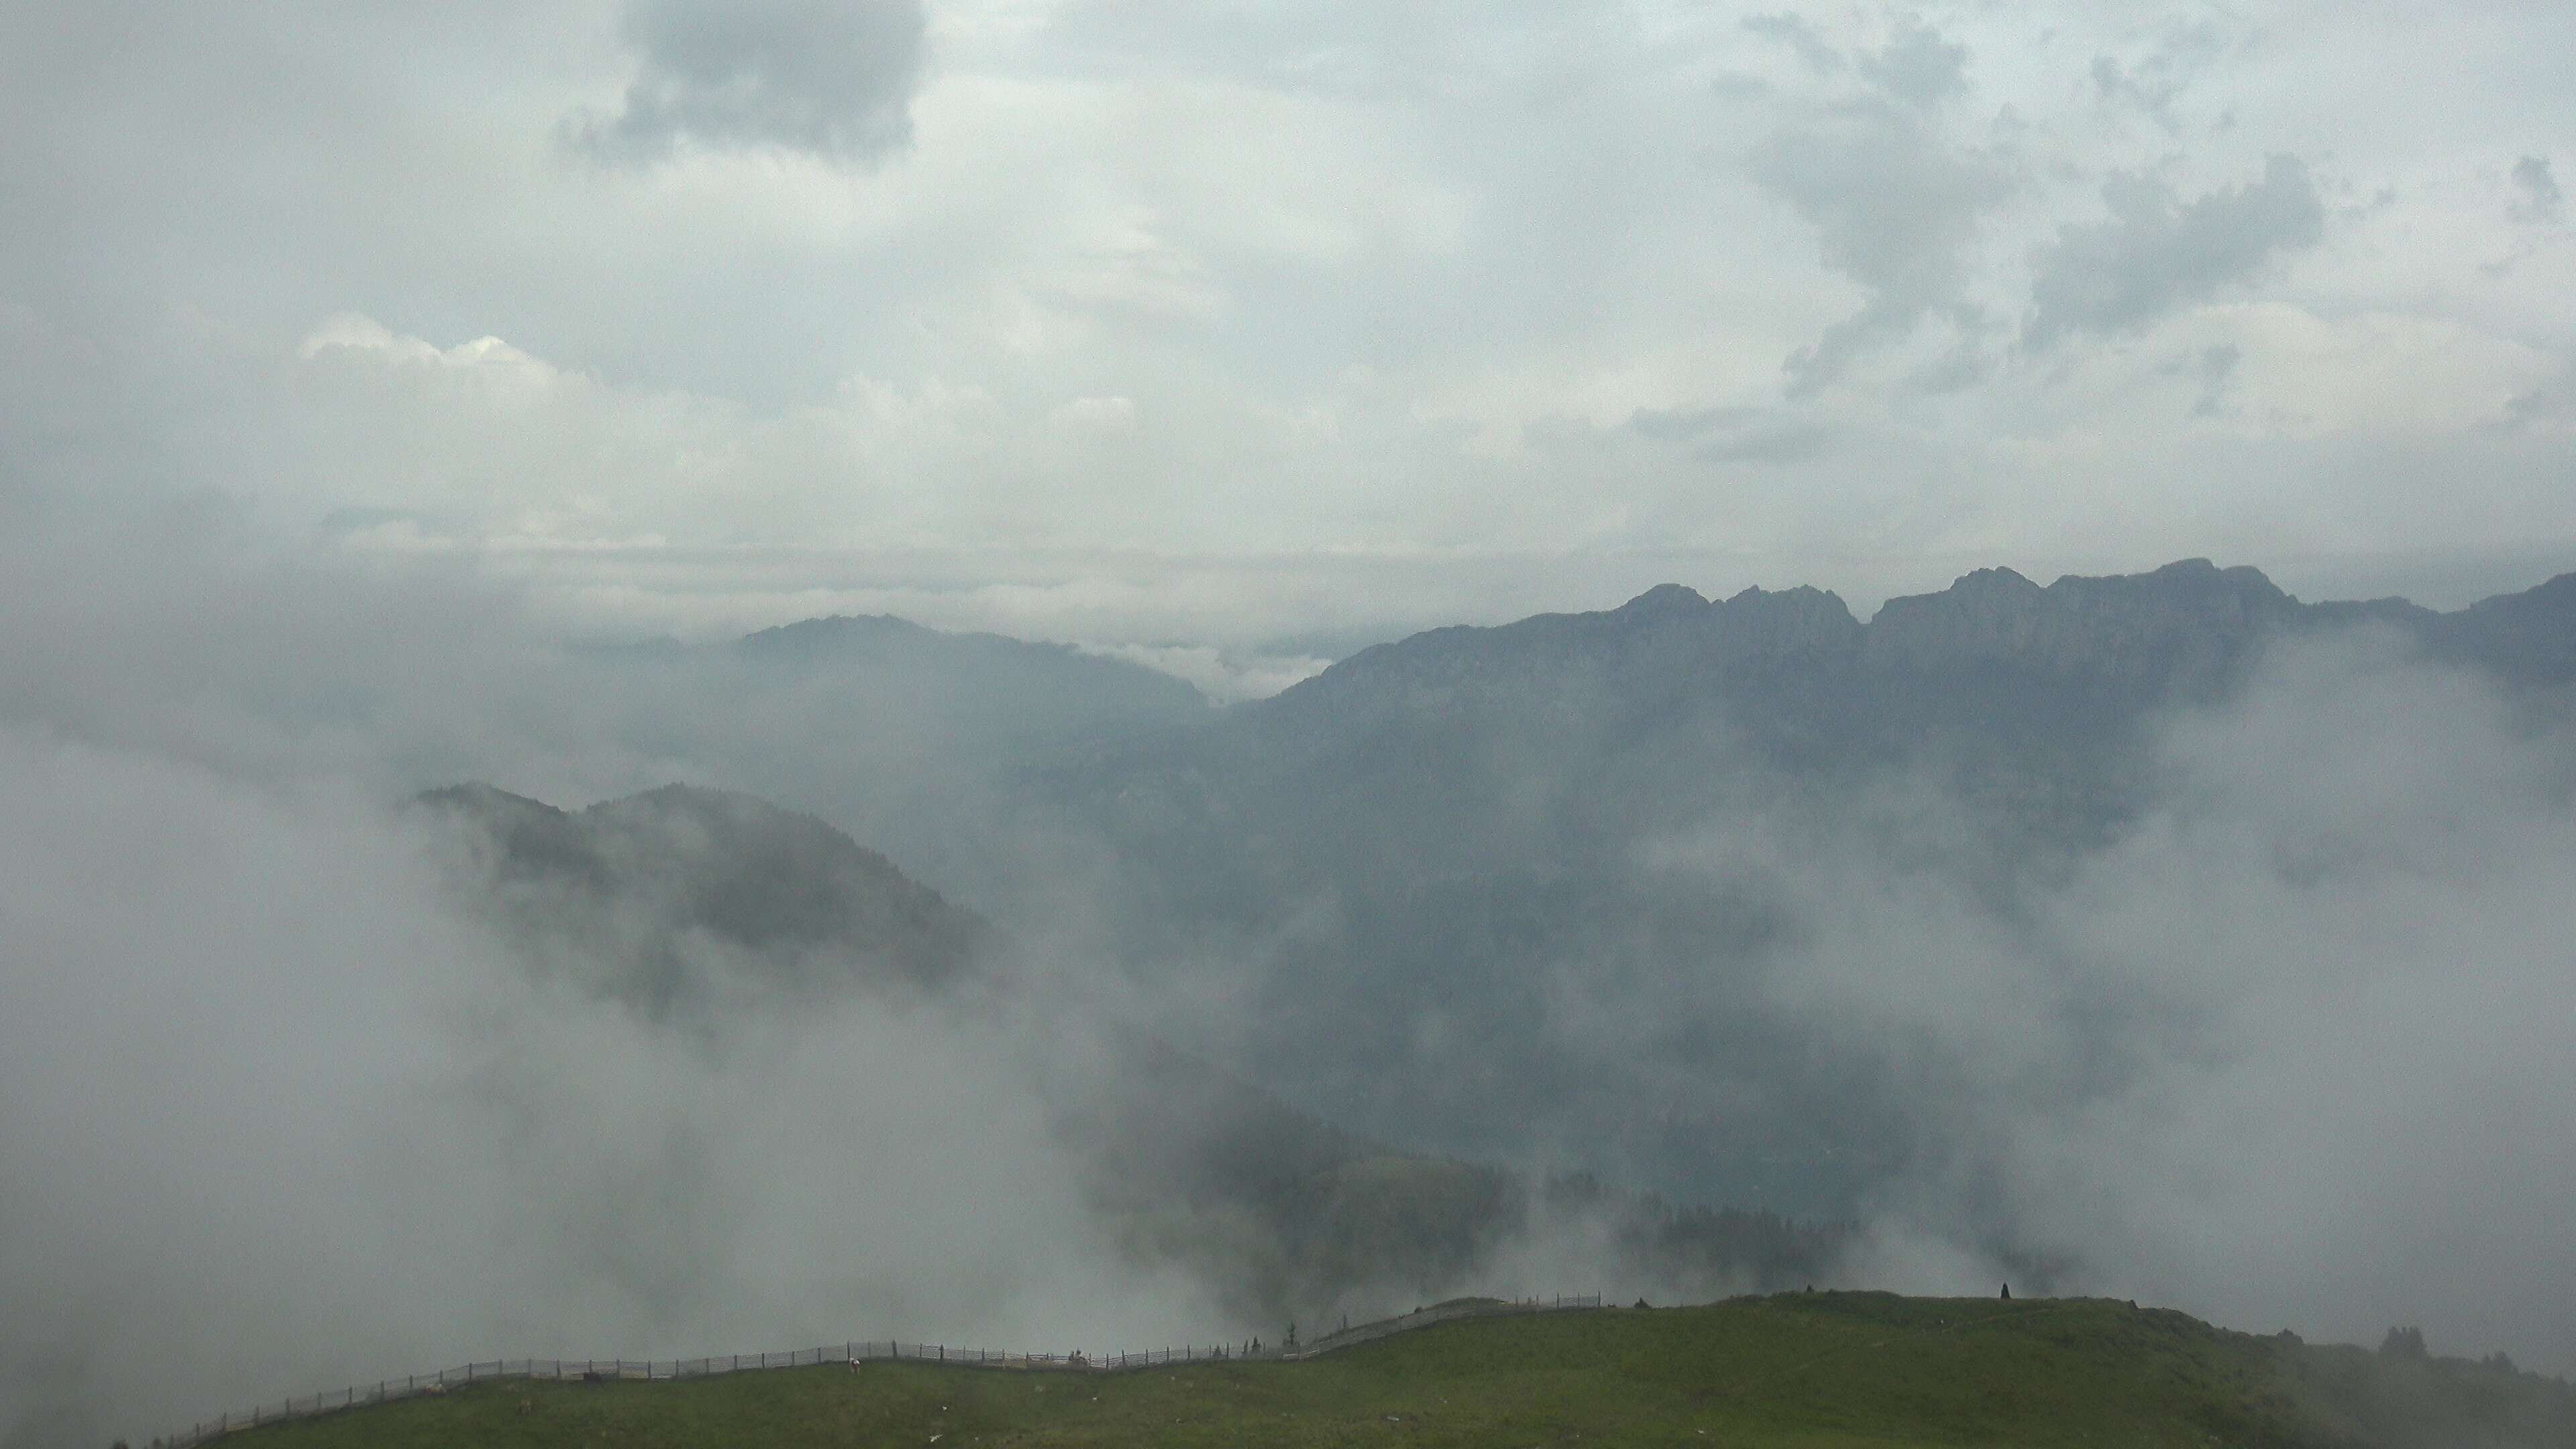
(2190, 617)
(1418, 848)
(611, 890)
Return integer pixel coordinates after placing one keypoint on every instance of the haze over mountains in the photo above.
(658, 898)
(2124, 643)
(2157, 936)
(982, 684)
(923, 538)
(1993, 670)
(1419, 863)
(1531, 894)
(1386, 886)
(696, 908)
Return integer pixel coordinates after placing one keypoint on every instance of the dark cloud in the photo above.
(1963, 366)
(831, 77)
(2158, 253)
(2541, 198)
(1798, 35)
(2153, 82)
(1895, 206)
(2216, 369)
(1918, 66)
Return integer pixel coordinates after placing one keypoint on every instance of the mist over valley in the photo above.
(2153, 937)
(683, 678)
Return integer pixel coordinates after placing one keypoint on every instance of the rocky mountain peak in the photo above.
(2146, 624)
(1791, 620)
(1993, 583)
(1664, 600)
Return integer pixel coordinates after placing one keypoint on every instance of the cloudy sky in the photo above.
(1155, 322)
(351, 354)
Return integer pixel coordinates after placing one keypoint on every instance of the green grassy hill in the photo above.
(1826, 1369)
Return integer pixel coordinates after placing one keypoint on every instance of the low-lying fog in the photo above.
(280, 1111)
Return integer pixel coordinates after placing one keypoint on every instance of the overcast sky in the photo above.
(350, 353)
(1152, 322)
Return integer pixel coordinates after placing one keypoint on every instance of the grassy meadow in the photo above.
(1819, 1371)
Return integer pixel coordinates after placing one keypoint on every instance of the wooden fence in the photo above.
(853, 1352)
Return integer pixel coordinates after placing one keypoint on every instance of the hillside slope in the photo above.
(674, 897)
(1844, 1369)
(1443, 870)
(702, 908)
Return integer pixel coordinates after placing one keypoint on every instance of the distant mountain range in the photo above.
(906, 734)
(1405, 858)
(2022, 693)
(2135, 638)
(897, 685)
(984, 682)
(1434, 746)
(1396, 872)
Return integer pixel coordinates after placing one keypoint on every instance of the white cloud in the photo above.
(1225, 676)
(1105, 414)
(1369, 287)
